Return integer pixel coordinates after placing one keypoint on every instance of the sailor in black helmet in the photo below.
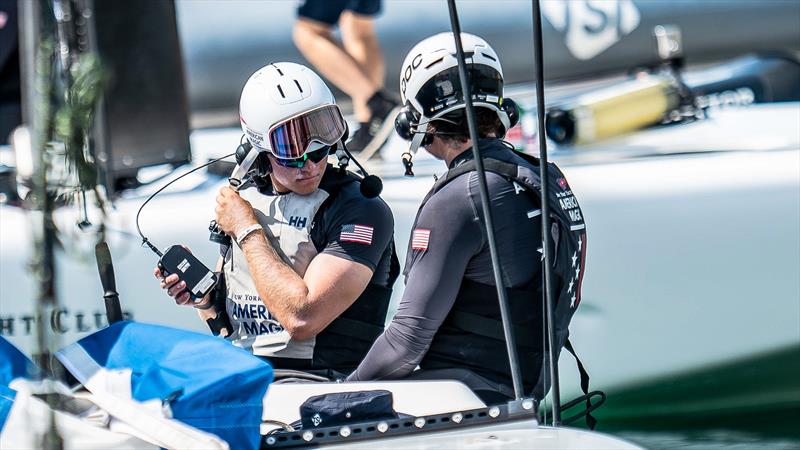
(448, 321)
(311, 264)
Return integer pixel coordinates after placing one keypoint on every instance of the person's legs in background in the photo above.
(356, 67)
(361, 42)
(315, 41)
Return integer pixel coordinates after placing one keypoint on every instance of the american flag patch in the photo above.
(420, 239)
(356, 233)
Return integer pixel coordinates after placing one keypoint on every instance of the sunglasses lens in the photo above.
(318, 155)
(297, 163)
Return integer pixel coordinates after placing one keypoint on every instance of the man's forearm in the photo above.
(281, 289)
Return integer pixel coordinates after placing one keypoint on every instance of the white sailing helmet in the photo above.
(429, 81)
(287, 110)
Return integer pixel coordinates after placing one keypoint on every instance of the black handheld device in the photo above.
(199, 279)
(177, 259)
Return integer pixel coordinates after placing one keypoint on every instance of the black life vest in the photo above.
(471, 335)
(345, 341)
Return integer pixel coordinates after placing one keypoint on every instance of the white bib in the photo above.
(287, 221)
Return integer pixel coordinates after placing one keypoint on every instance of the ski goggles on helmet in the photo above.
(314, 156)
(292, 138)
(443, 91)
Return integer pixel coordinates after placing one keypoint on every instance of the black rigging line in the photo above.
(513, 359)
(548, 285)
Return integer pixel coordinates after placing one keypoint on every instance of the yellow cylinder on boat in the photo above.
(612, 111)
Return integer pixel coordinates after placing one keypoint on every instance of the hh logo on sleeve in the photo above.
(420, 239)
(356, 233)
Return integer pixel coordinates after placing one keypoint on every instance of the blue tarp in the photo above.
(13, 364)
(6, 402)
(208, 383)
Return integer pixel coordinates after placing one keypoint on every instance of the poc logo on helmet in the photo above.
(409, 70)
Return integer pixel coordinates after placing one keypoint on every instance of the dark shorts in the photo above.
(328, 11)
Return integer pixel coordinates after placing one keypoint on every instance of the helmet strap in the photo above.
(419, 136)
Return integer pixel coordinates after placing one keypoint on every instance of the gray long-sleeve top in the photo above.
(455, 248)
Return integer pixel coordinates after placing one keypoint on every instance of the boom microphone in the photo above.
(371, 186)
(106, 270)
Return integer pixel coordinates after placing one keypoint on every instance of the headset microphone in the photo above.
(370, 185)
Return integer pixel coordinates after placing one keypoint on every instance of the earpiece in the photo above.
(407, 126)
(511, 110)
(509, 115)
(262, 166)
(403, 123)
(242, 150)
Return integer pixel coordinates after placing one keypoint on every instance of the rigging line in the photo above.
(505, 314)
(548, 289)
(544, 370)
(146, 241)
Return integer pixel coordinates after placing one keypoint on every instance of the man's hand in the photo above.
(175, 288)
(233, 212)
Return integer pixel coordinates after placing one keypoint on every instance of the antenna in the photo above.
(548, 285)
(513, 359)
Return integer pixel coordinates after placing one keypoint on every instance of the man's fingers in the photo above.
(169, 281)
(176, 288)
(183, 298)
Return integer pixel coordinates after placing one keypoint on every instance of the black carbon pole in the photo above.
(513, 359)
(548, 285)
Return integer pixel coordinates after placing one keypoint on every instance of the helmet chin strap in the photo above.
(419, 136)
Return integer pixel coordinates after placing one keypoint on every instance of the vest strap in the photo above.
(591, 421)
(486, 327)
(354, 328)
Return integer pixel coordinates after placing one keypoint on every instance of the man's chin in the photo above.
(306, 186)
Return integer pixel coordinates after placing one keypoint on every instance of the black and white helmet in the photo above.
(429, 81)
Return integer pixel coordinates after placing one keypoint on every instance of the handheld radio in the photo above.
(176, 259)
(199, 279)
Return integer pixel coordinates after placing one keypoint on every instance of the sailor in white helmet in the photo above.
(448, 322)
(309, 270)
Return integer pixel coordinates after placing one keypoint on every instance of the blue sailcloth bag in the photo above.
(202, 380)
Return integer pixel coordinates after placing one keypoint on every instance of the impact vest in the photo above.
(289, 222)
(471, 335)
